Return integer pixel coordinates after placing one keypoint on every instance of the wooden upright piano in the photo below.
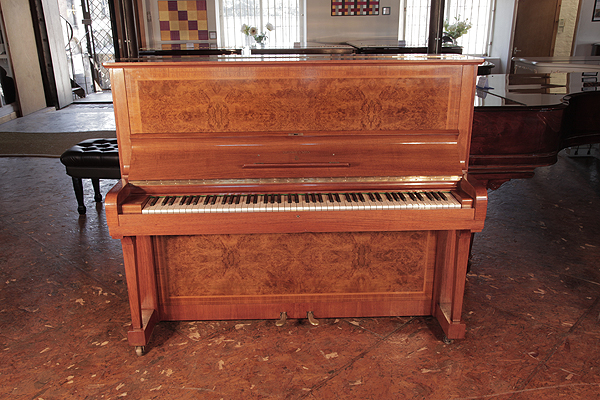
(299, 187)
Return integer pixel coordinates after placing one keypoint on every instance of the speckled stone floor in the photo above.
(532, 308)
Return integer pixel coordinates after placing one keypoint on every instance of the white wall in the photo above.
(321, 27)
(588, 32)
(502, 33)
(20, 38)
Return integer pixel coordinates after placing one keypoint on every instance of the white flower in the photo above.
(244, 29)
(270, 26)
(252, 31)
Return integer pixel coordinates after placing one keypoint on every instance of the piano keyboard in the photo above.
(234, 203)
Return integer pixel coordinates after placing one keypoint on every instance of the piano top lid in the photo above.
(277, 59)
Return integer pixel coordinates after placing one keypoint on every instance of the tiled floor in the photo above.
(532, 308)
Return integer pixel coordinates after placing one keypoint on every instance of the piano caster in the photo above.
(311, 318)
(446, 340)
(139, 350)
(282, 319)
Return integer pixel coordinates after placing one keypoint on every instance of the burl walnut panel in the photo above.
(294, 100)
(290, 264)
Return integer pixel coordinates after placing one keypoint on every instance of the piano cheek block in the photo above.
(208, 233)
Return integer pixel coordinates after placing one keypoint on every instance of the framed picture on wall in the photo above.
(596, 14)
(354, 7)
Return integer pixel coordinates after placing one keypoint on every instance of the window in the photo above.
(414, 22)
(287, 17)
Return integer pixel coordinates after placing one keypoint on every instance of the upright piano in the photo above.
(295, 187)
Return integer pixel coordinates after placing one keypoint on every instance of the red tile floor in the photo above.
(532, 308)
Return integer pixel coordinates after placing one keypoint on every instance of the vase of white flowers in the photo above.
(252, 32)
(455, 30)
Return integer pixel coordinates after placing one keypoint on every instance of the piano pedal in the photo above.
(311, 318)
(139, 350)
(282, 319)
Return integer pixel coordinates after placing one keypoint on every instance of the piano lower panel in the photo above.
(260, 276)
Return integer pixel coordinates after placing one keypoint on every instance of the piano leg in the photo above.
(449, 286)
(141, 284)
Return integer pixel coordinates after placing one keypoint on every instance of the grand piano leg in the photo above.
(449, 286)
(141, 285)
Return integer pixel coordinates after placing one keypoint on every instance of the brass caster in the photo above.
(311, 318)
(446, 340)
(139, 350)
(282, 319)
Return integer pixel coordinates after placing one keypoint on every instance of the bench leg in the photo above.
(97, 194)
(78, 187)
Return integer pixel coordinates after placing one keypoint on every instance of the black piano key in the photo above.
(296, 198)
(402, 197)
(442, 195)
(348, 197)
(225, 198)
(206, 200)
(337, 198)
(361, 197)
(165, 201)
(395, 196)
(172, 200)
(255, 199)
(389, 197)
(378, 197)
(307, 198)
(213, 200)
(231, 199)
(412, 196)
(419, 196)
(238, 198)
(265, 199)
(436, 196)
(153, 200)
(330, 197)
(371, 196)
(196, 200)
(183, 200)
(278, 199)
(429, 196)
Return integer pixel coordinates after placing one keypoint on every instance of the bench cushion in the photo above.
(93, 158)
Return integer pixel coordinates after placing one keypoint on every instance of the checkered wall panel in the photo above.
(182, 20)
(354, 7)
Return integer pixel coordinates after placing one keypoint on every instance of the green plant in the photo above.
(457, 29)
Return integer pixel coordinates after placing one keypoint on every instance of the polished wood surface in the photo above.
(511, 141)
(311, 124)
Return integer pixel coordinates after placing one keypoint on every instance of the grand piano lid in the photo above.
(531, 90)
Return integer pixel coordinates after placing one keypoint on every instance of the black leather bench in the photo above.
(93, 159)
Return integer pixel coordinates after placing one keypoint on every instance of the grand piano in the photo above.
(522, 121)
(295, 187)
